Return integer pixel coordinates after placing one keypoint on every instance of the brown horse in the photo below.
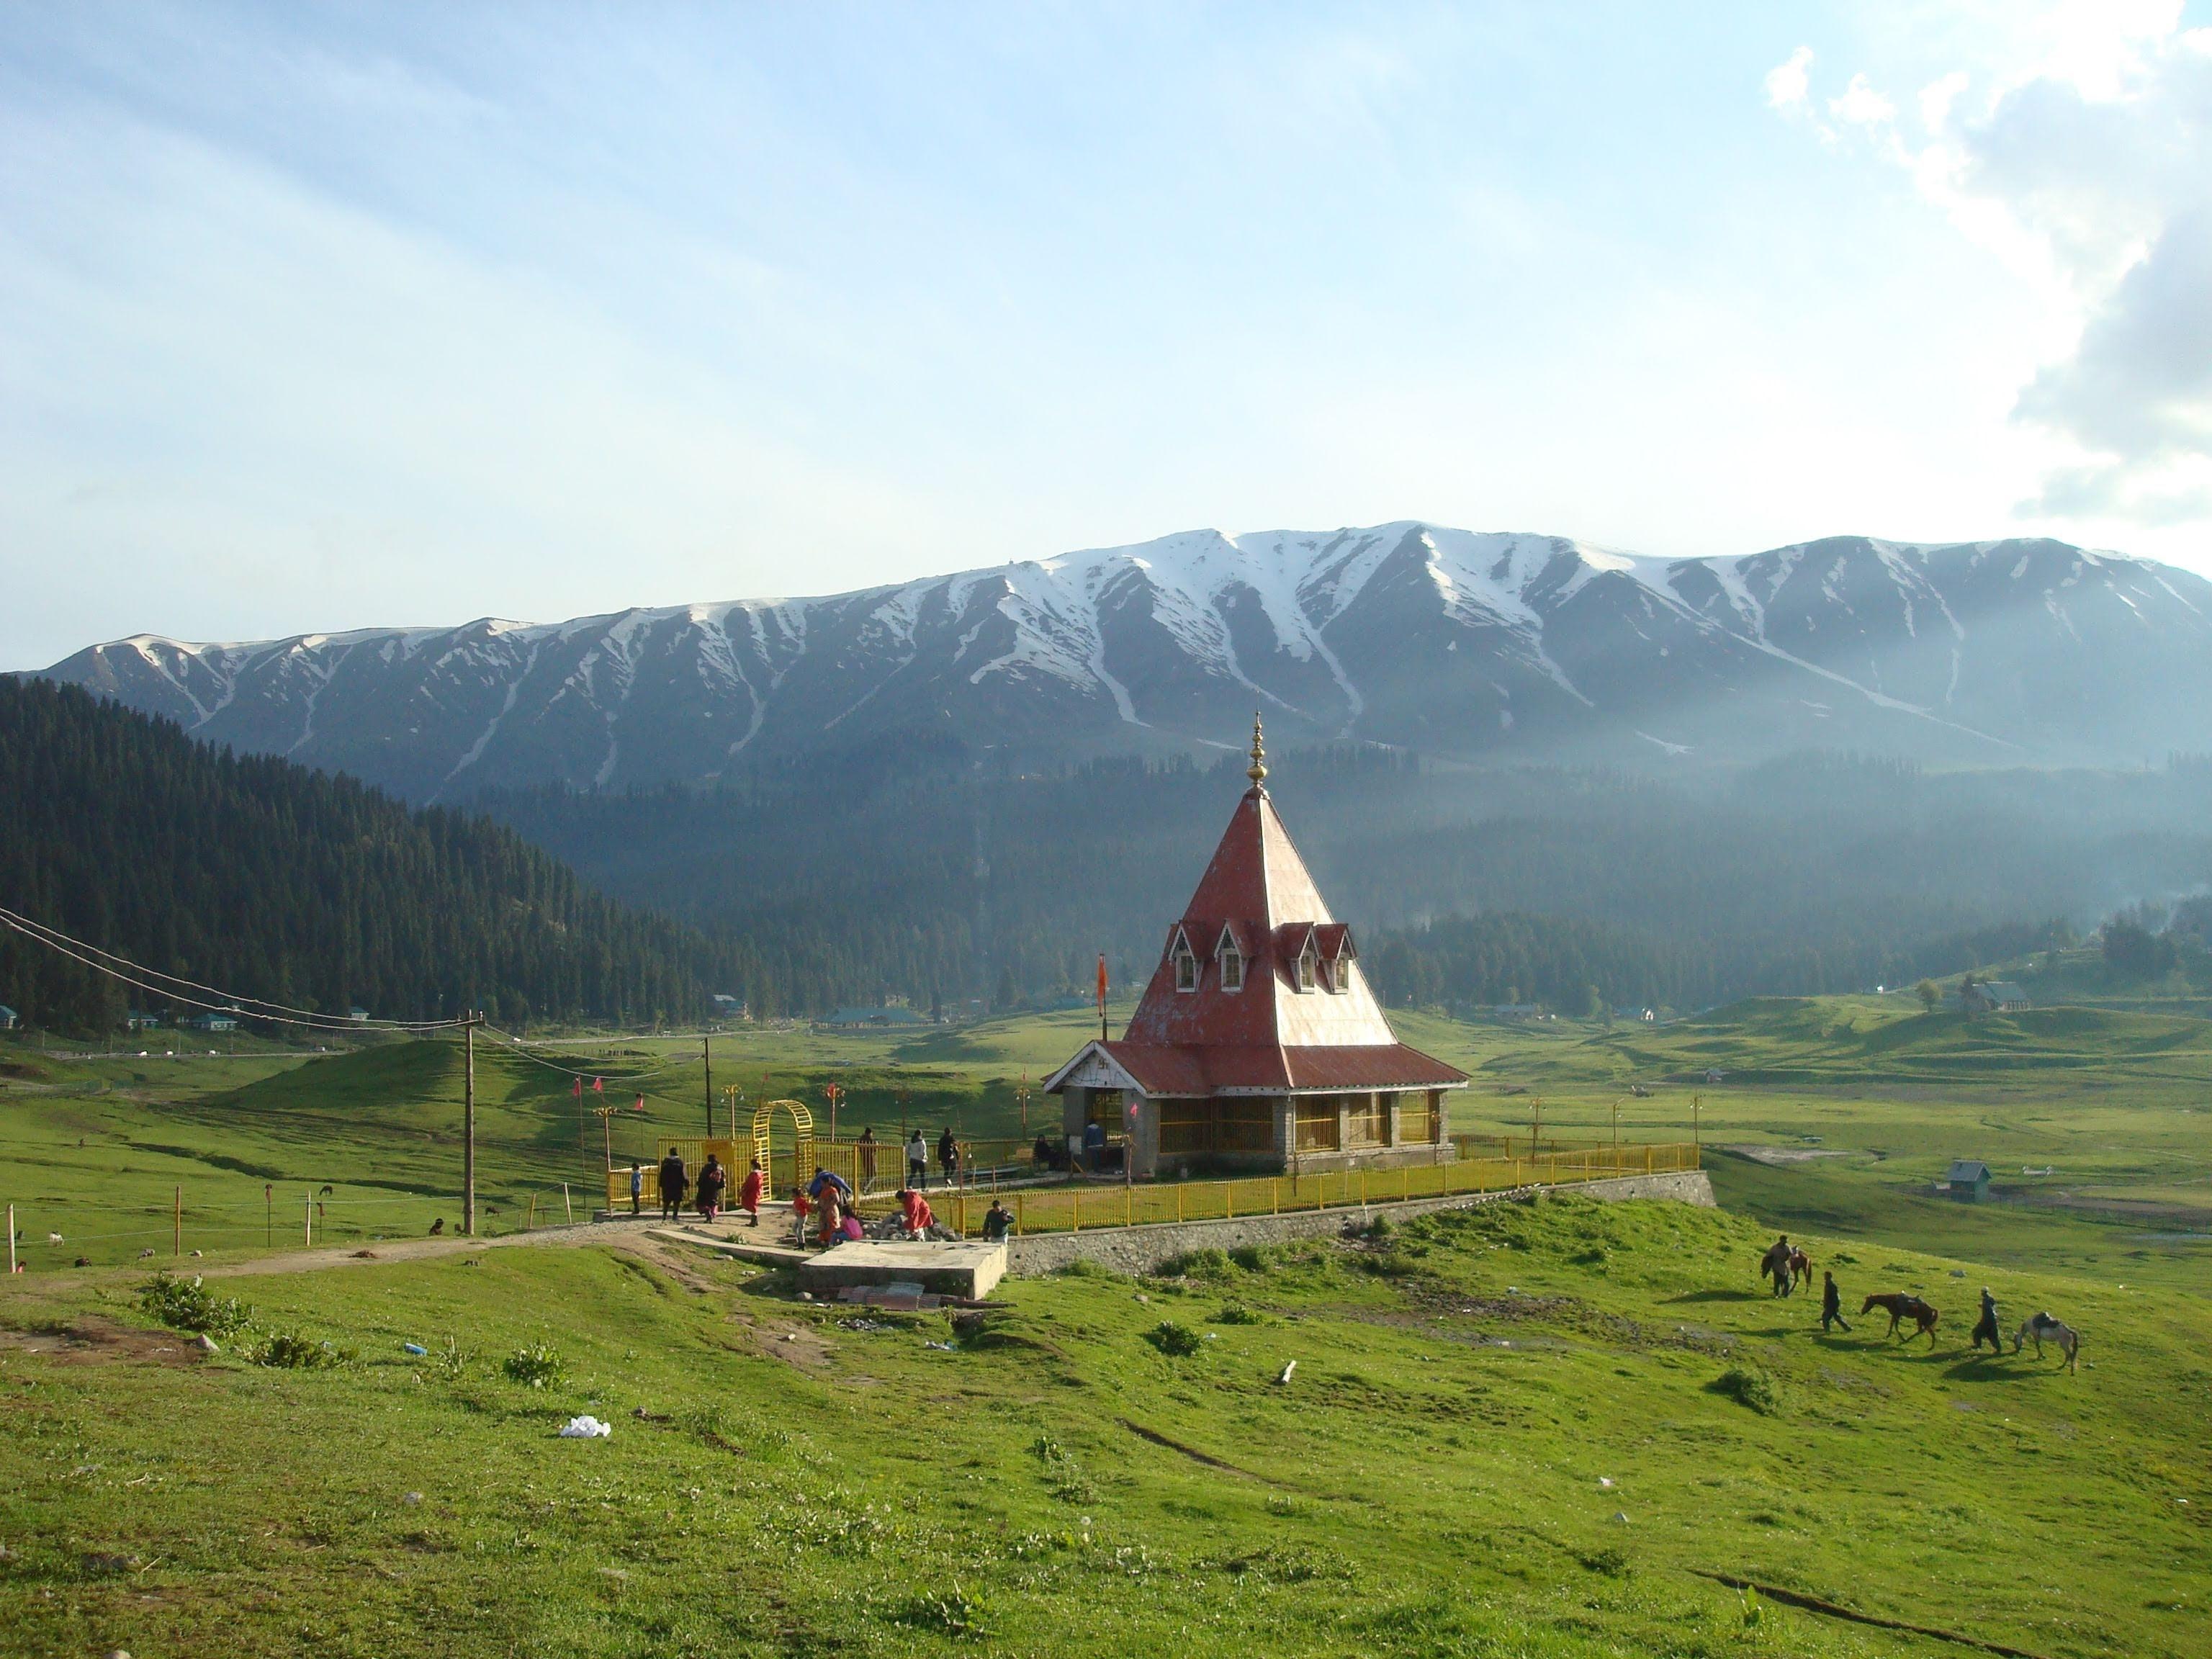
(1800, 1267)
(1900, 1306)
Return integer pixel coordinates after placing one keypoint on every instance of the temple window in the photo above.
(1309, 965)
(1186, 967)
(1232, 967)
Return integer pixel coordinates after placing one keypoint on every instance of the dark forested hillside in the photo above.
(273, 881)
(928, 870)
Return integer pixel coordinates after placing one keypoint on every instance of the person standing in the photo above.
(637, 1188)
(801, 1208)
(751, 1192)
(1831, 1303)
(1987, 1325)
(675, 1183)
(948, 1156)
(712, 1180)
(917, 1161)
(998, 1221)
(865, 1146)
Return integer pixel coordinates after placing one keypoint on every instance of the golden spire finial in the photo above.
(1258, 773)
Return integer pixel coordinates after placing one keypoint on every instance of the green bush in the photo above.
(293, 1351)
(1235, 1313)
(951, 1612)
(1250, 1257)
(1748, 1386)
(188, 1305)
(1175, 1340)
(534, 1366)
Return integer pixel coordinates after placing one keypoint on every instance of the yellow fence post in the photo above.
(1228, 1200)
(1075, 1219)
(1178, 1201)
(1020, 1210)
(1274, 1198)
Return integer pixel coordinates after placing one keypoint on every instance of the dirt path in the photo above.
(627, 1234)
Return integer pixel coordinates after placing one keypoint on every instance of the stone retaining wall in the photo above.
(1140, 1249)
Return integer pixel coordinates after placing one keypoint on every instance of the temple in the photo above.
(1258, 1046)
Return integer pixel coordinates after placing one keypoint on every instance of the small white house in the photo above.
(9, 1017)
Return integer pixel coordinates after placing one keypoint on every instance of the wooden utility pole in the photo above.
(11, 1241)
(177, 1247)
(469, 1124)
(706, 1053)
(1697, 1134)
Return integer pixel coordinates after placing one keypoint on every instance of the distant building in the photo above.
(213, 1022)
(729, 1007)
(358, 1016)
(138, 1019)
(1995, 996)
(869, 1020)
(8, 1018)
(1648, 1015)
(1968, 1181)
(1714, 1074)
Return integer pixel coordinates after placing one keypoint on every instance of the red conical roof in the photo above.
(1266, 1035)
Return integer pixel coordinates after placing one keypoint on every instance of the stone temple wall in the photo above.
(1141, 1249)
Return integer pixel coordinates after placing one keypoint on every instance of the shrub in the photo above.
(1198, 1264)
(1250, 1257)
(1235, 1313)
(1748, 1386)
(1175, 1340)
(534, 1366)
(292, 1351)
(188, 1305)
(951, 1612)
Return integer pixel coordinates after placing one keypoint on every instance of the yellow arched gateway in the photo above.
(802, 1141)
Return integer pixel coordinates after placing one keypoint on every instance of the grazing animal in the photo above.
(53, 1239)
(437, 1226)
(147, 1251)
(1900, 1306)
(84, 1261)
(1801, 1268)
(2041, 1327)
(328, 1192)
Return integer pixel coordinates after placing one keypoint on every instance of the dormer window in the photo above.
(1308, 966)
(1185, 963)
(1232, 964)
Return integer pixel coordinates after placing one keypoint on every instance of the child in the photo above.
(750, 1192)
(801, 1208)
(833, 1217)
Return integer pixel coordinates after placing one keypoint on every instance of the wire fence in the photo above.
(211, 1218)
(217, 1217)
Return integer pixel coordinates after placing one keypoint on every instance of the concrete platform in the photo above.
(738, 1246)
(965, 1270)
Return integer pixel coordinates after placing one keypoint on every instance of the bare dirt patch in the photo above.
(94, 1342)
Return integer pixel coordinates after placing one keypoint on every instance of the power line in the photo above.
(519, 1048)
(154, 982)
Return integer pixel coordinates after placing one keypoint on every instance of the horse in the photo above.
(1801, 1268)
(1900, 1306)
(2041, 1327)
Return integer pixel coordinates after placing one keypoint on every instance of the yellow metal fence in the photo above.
(1076, 1205)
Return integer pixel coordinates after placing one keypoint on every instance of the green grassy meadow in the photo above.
(1431, 1479)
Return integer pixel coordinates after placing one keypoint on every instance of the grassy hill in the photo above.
(1520, 1431)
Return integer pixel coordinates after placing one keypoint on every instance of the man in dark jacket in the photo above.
(1831, 1303)
(675, 1183)
(948, 1155)
(1986, 1326)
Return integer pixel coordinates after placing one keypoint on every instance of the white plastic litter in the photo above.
(1605, 1483)
(1289, 1366)
(587, 1428)
(415, 1347)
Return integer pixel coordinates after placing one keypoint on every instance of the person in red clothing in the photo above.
(916, 1216)
(833, 1220)
(750, 1192)
(801, 1208)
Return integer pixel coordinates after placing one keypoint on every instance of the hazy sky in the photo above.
(314, 318)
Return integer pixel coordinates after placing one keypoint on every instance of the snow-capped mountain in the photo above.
(1444, 640)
